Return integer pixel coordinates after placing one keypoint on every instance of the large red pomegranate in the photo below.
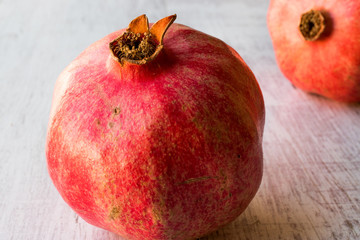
(155, 137)
(317, 45)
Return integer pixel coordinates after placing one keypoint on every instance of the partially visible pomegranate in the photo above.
(317, 45)
(157, 138)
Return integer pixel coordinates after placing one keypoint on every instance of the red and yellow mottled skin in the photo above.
(167, 150)
(329, 66)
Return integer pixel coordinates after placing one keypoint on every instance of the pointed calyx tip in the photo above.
(139, 44)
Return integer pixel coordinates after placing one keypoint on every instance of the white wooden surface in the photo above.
(310, 188)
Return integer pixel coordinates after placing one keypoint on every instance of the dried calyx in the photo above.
(135, 46)
(139, 44)
(312, 25)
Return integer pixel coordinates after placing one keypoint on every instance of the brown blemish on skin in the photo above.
(192, 180)
(114, 213)
(117, 110)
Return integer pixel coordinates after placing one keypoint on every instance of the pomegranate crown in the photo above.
(140, 44)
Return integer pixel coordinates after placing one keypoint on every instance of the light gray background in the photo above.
(310, 188)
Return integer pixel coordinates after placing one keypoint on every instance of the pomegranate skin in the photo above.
(328, 66)
(167, 150)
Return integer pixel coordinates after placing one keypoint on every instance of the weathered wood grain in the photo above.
(310, 188)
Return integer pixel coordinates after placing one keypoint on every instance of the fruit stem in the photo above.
(139, 44)
(312, 25)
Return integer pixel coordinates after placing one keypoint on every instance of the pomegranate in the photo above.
(317, 46)
(155, 137)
